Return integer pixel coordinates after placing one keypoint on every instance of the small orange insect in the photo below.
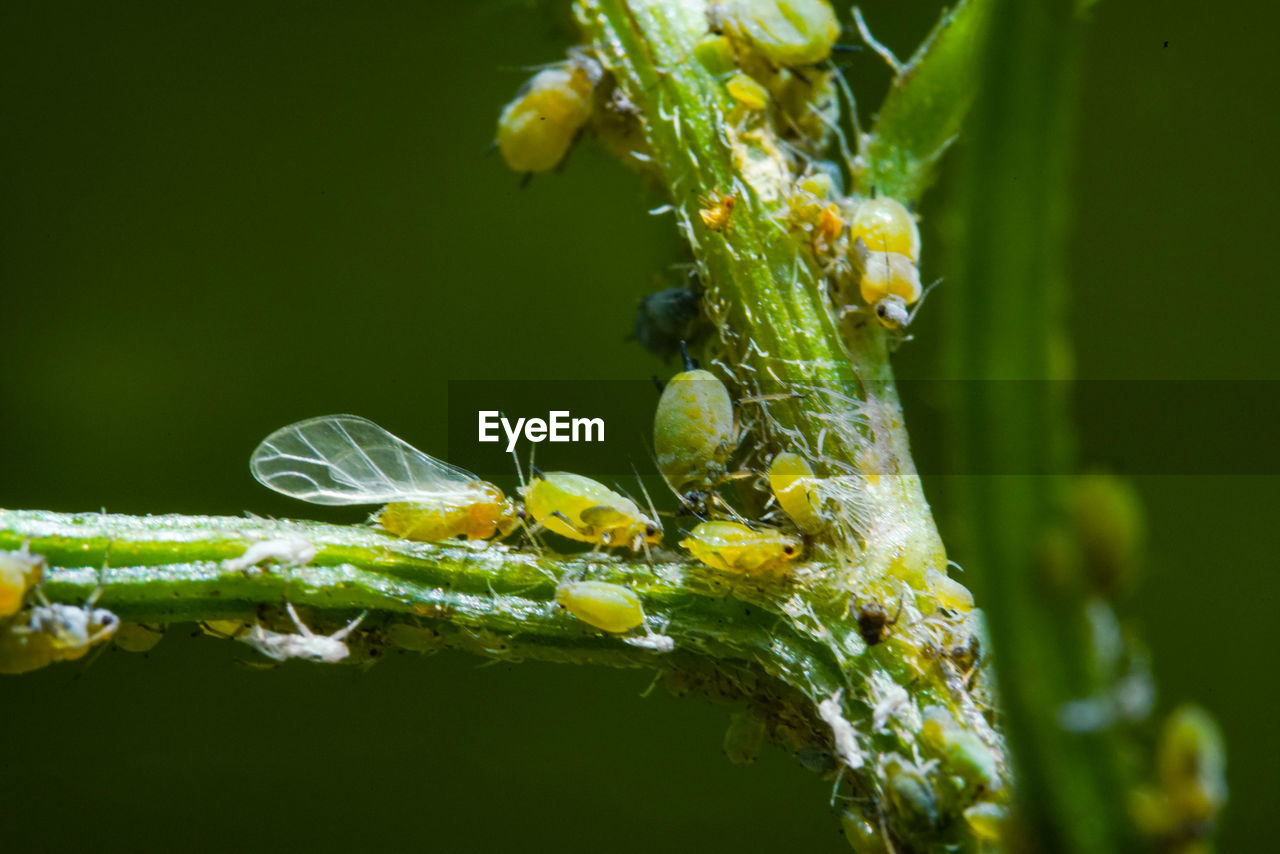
(715, 213)
(828, 229)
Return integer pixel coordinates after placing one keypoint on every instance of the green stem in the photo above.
(926, 105)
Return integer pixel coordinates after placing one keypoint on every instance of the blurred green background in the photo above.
(221, 217)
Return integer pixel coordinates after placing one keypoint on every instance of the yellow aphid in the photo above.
(716, 212)
(987, 820)
(795, 489)
(19, 571)
(734, 547)
(137, 637)
(888, 282)
(716, 54)
(586, 510)
(1191, 762)
(227, 629)
(538, 127)
(948, 592)
(608, 607)
(889, 274)
(53, 632)
(345, 459)
(785, 33)
(693, 434)
(884, 225)
(747, 92)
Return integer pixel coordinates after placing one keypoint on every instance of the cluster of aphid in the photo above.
(772, 58)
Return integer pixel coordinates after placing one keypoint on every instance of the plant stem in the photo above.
(790, 646)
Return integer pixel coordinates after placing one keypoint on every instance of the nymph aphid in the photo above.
(539, 126)
(605, 606)
(735, 547)
(348, 460)
(51, 632)
(784, 33)
(665, 319)
(795, 488)
(693, 434)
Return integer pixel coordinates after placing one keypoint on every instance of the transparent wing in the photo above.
(346, 459)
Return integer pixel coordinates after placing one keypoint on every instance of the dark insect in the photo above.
(874, 622)
(665, 319)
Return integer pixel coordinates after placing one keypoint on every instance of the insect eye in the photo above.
(650, 530)
(788, 550)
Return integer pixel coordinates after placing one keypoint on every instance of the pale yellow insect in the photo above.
(884, 225)
(735, 547)
(345, 459)
(782, 32)
(888, 282)
(537, 129)
(795, 488)
(693, 434)
(586, 510)
(608, 607)
(51, 632)
(19, 572)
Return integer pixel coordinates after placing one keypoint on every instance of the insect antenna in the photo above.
(690, 363)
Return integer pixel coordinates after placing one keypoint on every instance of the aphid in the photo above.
(887, 281)
(1191, 763)
(795, 489)
(138, 637)
(586, 510)
(693, 434)
(910, 792)
(884, 225)
(874, 622)
(328, 649)
(608, 607)
(987, 820)
(345, 459)
(963, 751)
(19, 572)
(785, 33)
(414, 638)
(1108, 519)
(290, 550)
(226, 629)
(747, 92)
(537, 129)
(948, 592)
(716, 211)
(744, 736)
(715, 52)
(865, 837)
(665, 319)
(734, 547)
(54, 632)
